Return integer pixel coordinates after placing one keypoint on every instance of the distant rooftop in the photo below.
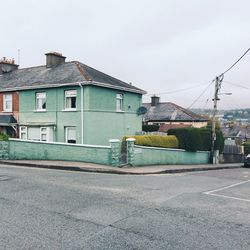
(168, 111)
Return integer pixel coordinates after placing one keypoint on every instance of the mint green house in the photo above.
(73, 103)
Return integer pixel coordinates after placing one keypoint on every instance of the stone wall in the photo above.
(4, 150)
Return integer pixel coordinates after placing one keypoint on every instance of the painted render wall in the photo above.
(101, 118)
(30, 150)
(162, 156)
(101, 121)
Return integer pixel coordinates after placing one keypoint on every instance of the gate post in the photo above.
(131, 151)
(115, 152)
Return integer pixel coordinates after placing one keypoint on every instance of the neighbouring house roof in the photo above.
(168, 111)
(165, 127)
(68, 73)
(7, 120)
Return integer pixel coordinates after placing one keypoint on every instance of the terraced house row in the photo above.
(66, 102)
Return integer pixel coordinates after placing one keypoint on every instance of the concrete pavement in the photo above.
(143, 170)
(50, 209)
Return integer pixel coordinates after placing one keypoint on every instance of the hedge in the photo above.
(194, 139)
(168, 141)
(3, 137)
(246, 148)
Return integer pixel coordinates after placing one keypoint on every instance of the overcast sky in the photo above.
(161, 46)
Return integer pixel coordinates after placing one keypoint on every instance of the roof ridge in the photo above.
(114, 78)
(39, 66)
(188, 112)
(82, 71)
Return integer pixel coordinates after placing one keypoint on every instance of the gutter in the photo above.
(56, 85)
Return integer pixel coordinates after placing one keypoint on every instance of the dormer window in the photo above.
(7, 103)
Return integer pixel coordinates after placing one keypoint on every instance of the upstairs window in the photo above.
(119, 102)
(70, 99)
(41, 101)
(7, 103)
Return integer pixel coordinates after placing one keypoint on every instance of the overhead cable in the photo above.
(202, 93)
(236, 62)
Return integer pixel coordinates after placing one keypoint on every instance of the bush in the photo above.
(246, 148)
(194, 139)
(155, 140)
(3, 137)
(189, 138)
(150, 128)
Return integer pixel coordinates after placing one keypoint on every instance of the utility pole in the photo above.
(218, 80)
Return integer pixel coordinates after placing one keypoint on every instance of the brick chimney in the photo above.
(54, 59)
(7, 65)
(155, 100)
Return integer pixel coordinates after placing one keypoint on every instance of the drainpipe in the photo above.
(81, 112)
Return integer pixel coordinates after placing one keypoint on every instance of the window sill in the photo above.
(7, 111)
(40, 110)
(69, 110)
(120, 111)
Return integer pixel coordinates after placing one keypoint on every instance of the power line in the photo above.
(237, 85)
(236, 62)
(176, 91)
(200, 95)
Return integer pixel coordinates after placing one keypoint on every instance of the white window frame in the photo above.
(7, 98)
(70, 94)
(66, 133)
(23, 131)
(39, 105)
(46, 133)
(119, 102)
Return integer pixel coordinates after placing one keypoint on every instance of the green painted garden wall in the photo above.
(101, 122)
(30, 150)
(160, 156)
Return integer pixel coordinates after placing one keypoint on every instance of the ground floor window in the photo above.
(35, 133)
(44, 134)
(70, 134)
(23, 133)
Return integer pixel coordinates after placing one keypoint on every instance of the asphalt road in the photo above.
(52, 209)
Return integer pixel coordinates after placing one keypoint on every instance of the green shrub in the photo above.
(150, 128)
(246, 148)
(189, 138)
(155, 140)
(194, 139)
(3, 137)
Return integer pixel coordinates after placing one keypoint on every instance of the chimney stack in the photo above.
(155, 100)
(7, 65)
(54, 59)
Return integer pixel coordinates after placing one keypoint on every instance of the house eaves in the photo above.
(57, 85)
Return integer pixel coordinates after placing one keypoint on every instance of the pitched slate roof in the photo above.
(69, 73)
(7, 119)
(168, 111)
